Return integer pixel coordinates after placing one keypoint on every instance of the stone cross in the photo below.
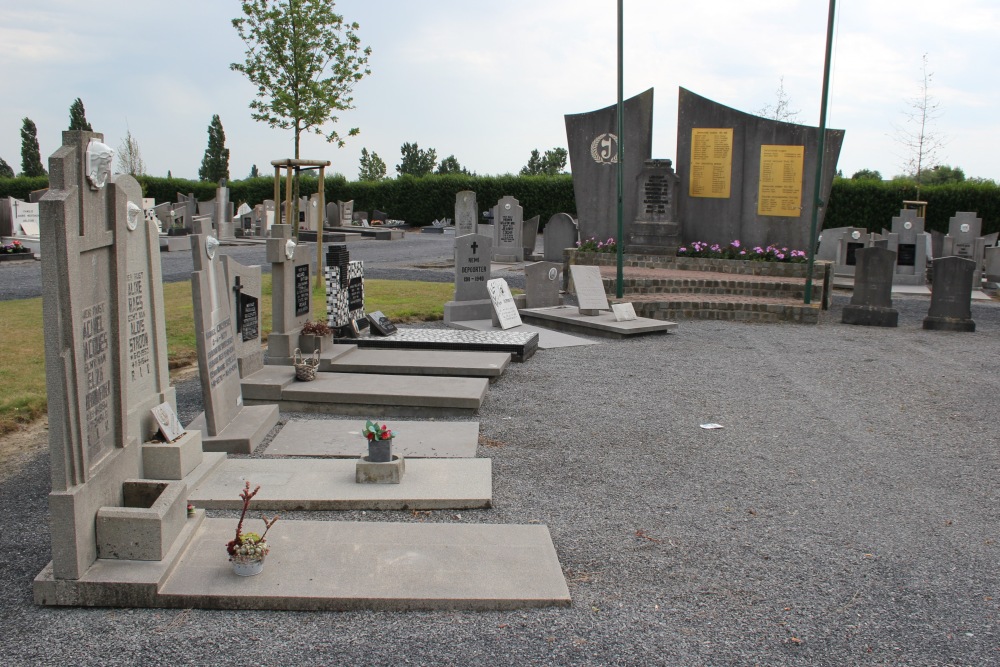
(291, 293)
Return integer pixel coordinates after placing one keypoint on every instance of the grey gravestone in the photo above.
(951, 296)
(223, 213)
(503, 304)
(529, 236)
(910, 243)
(560, 232)
(593, 156)
(268, 217)
(93, 269)
(465, 213)
(541, 284)
(964, 240)
(346, 212)
(472, 271)
(589, 288)
(655, 229)
(508, 230)
(291, 294)
(993, 264)
(711, 216)
(244, 283)
(871, 302)
(850, 242)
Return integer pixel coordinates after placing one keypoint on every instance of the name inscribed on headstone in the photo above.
(780, 188)
(249, 318)
(503, 303)
(139, 356)
(475, 269)
(506, 230)
(655, 195)
(356, 293)
(301, 290)
(221, 352)
(711, 162)
(97, 367)
(590, 294)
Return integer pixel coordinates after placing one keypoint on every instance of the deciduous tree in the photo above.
(919, 138)
(450, 165)
(5, 169)
(551, 163)
(414, 161)
(781, 109)
(130, 157)
(372, 167)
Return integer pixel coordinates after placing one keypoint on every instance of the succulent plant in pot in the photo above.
(248, 549)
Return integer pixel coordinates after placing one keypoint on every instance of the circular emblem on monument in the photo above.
(553, 273)
(604, 149)
(964, 227)
(855, 235)
(907, 225)
(289, 249)
(211, 245)
(99, 158)
(506, 207)
(132, 216)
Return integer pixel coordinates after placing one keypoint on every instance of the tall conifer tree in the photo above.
(215, 164)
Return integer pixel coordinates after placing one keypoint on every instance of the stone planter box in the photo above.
(16, 256)
(143, 528)
(310, 343)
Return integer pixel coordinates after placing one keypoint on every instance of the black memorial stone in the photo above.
(338, 255)
(302, 289)
(249, 317)
(853, 248)
(356, 294)
(906, 254)
(380, 324)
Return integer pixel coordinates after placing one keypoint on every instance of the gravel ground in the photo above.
(847, 514)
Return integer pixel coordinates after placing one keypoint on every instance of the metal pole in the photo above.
(817, 200)
(620, 278)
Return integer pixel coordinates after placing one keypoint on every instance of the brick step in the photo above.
(789, 289)
(724, 307)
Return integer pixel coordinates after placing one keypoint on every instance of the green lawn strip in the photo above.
(22, 354)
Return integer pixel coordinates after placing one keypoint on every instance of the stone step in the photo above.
(750, 286)
(418, 362)
(342, 438)
(329, 484)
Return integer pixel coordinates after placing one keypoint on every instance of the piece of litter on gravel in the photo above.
(709, 427)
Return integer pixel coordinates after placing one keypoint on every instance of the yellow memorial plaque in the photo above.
(711, 162)
(780, 189)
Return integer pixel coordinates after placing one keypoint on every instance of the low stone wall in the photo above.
(734, 266)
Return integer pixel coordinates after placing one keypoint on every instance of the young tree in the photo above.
(918, 137)
(78, 117)
(551, 163)
(31, 155)
(867, 175)
(781, 109)
(253, 172)
(372, 166)
(215, 163)
(5, 169)
(450, 165)
(304, 60)
(416, 162)
(130, 157)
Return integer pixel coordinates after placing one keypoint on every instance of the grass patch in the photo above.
(22, 353)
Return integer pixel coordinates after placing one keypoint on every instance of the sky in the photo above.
(488, 82)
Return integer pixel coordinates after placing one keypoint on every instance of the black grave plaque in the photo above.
(906, 254)
(356, 294)
(851, 249)
(381, 324)
(301, 290)
(249, 321)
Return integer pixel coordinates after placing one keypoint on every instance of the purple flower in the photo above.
(736, 243)
(682, 250)
(743, 252)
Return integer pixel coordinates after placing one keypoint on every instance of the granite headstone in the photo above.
(871, 302)
(951, 295)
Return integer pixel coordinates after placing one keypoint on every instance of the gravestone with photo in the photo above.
(871, 301)
(472, 271)
(542, 281)
(380, 324)
(951, 295)
(964, 239)
(507, 231)
(560, 232)
(850, 243)
(466, 212)
(911, 244)
(226, 424)
(244, 283)
(589, 288)
(504, 308)
(291, 294)
(655, 229)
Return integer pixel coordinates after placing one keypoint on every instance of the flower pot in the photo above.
(380, 451)
(247, 568)
(310, 343)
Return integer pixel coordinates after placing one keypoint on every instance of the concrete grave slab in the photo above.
(547, 338)
(342, 438)
(242, 435)
(329, 484)
(568, 318)
(421, 362)
(521, 344)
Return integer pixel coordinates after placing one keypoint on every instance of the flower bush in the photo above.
(372, 431)
(14, 247)
(317, 328)
(593, 245)
(735, 250)
(249, 546)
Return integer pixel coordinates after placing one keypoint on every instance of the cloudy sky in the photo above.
(489, 81)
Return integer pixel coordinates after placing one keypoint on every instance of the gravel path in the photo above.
(847, 514)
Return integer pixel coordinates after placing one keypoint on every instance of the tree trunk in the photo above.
(295, 188)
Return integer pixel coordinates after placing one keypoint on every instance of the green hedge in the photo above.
(869, 204)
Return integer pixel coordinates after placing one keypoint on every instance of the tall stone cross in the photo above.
(291, 293)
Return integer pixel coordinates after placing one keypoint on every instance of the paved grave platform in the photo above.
(342, 438)
(847, 282)
(243, 434)
(547, 338)
(334, 566)
(453, 363)
(329, 484)
(604, 325)
(519, 344)
(366, 394)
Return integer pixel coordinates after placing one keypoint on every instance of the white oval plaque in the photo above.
(855, 235)
(211, 245)
(290, 249)
(964, 227)
(553, 273)
(907, 225)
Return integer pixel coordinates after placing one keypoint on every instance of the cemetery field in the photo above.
(22, 354)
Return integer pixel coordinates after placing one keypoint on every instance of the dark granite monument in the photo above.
(951, 296)
(655, 229)
(593, 158)
(871, 302)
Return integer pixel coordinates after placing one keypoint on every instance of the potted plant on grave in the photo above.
(247, 550)
(313, 335)
(379, 441)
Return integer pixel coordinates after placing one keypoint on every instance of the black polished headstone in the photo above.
(380, 324)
